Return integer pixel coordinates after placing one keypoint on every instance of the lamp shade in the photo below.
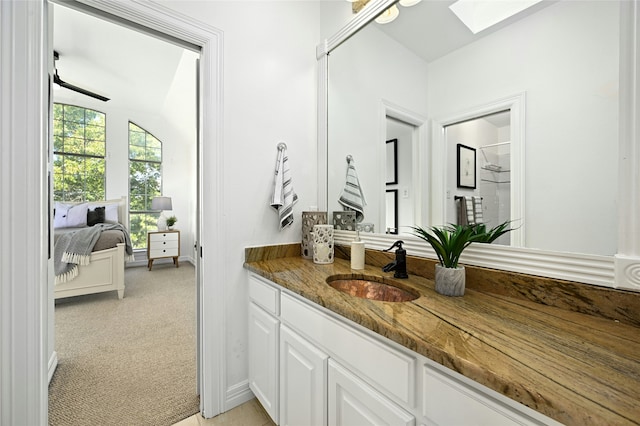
(161, 203)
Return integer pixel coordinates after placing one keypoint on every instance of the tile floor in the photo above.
(250, 413)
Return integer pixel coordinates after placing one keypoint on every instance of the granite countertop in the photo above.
(573, 367)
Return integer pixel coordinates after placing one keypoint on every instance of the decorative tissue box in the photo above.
(344, 221)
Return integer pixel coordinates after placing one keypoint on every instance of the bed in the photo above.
(105, 268)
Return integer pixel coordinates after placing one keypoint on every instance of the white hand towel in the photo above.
(283, 197)
(352, 197)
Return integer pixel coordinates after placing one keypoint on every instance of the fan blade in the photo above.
(69, 86)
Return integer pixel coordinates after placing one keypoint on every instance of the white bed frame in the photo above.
(105, 272)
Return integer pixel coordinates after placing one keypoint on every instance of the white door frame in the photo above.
(24, 189)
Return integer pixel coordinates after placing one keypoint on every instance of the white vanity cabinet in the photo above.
(303, 385)
(264, 329)
(312, 367)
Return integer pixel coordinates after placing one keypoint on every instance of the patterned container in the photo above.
(323, 244)
(366, 227)
(345, 221)
(309, 219)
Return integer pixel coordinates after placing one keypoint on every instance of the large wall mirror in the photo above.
(535, 98)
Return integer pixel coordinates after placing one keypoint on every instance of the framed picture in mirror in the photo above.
(466, 167)
(392, 162)
(391, 211)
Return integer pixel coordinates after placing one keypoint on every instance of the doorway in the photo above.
(151, 86)
(444, 161)
(188, 32)
(489, 136)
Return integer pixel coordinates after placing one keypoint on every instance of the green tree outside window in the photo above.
(79, 146)
(145, 182)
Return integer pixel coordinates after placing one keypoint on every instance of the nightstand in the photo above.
(161, 244)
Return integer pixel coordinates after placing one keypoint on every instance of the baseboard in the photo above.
(238, 394)
(53, 364)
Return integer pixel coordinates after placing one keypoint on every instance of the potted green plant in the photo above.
(449, 242)
(171, 220)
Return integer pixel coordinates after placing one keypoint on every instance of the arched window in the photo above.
(145, 182)
(79, 136)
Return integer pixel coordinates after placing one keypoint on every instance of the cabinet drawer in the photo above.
(264, 295)
(162, 236)
(166, 252)
(159, 245)
(392, 371)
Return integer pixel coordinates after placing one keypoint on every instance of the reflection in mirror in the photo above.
(567, 74)
(490, 200)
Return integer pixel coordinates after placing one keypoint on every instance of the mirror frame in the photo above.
(621, 270)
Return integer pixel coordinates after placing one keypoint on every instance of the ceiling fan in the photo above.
(57, 80)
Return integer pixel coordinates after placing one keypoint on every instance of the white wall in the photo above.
(571, 115)
(175, 126)
(269, 96)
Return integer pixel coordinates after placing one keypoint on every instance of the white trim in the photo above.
(238, 394)
(583, 268)
(53, 364)
(628, 258)
(24, 193)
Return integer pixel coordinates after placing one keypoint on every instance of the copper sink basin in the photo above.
(372, 287)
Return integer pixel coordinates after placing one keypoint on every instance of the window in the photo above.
(79, 136)
(145, 182)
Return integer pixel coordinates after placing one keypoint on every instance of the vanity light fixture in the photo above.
(479, 15)
(388, 15)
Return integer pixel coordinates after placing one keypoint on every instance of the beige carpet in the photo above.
(129, 361)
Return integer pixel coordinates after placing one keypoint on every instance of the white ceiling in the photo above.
(431, 30)
(133, 69)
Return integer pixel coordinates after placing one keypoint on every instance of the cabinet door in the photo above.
(263, 358)
(447, 401)
(354, 402)
(303, 381)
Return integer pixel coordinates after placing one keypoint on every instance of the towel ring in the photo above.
(282, 146)
(349, 158)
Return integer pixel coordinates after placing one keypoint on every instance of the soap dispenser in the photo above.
(357, 252)
(400, 264)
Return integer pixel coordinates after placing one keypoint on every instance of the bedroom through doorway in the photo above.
(152, 84)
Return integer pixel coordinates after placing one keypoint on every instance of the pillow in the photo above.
(70, 215)
(95, 216)
(111, 209)
(111, 213)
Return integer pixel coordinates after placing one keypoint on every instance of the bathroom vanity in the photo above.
(319, 356)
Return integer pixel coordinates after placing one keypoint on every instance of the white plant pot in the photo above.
(450, 281)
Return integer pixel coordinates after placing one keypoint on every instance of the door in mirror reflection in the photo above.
(399, 213)
(490, 200)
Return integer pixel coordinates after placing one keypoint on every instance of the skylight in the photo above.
(479, 15)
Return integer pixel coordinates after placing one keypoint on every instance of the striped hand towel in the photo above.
(283, 197)
(468, 201)
(352, 197)
(477, 209)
